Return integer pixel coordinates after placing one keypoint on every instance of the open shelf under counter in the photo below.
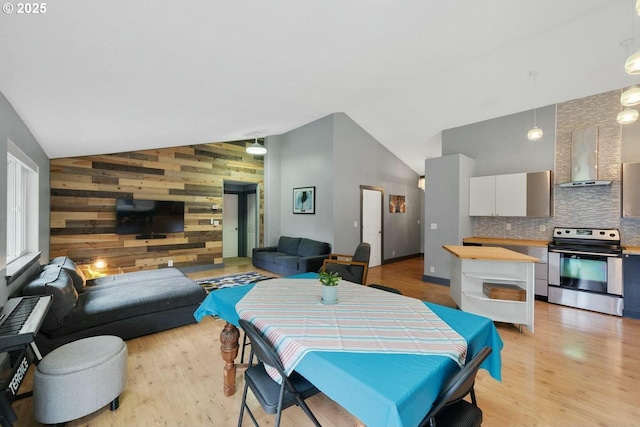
(503, 277)
(472, 266)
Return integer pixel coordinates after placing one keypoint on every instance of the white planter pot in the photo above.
(329, 294)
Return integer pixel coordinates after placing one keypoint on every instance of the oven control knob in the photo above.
(612, 235)
(567, 231)
(602, 233)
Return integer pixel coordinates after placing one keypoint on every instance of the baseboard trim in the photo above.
(197, 268)
(436, 280)
(402, 258)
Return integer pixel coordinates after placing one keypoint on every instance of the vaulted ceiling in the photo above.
(105, 76)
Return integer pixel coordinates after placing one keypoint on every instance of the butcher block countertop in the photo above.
(507, 242)
(488, 253)
(631, 250)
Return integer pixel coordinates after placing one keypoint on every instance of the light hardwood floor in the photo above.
(578, 369)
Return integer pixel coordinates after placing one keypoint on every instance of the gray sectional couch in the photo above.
(126, 305)
(293, 255)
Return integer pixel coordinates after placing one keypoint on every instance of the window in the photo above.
(22, 203)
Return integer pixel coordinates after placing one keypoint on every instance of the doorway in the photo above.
(240, 219)
(371, 230)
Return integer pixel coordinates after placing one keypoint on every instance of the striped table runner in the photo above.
(290, 315)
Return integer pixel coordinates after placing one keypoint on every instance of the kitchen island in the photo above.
(477, 271)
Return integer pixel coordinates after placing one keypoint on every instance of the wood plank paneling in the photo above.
(84, 191)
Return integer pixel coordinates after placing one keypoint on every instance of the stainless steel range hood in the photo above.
(584, 159)
(592, 183)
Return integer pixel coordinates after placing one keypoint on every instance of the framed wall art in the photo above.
(396, 204)
(304, 200)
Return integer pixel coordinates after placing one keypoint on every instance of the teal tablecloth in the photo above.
(383, 390)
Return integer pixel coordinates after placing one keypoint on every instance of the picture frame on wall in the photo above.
(304, 200)
(397, 204)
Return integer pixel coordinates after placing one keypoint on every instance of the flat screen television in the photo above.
(149, 218)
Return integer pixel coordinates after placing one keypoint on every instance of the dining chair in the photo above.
(273, 397)
(385, 288)
(450, 409)
(352, 268)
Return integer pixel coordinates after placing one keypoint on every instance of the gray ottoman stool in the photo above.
(79, 378)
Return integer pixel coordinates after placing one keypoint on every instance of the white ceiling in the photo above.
(105, 76)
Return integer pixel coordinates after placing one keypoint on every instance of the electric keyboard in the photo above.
(20, 320)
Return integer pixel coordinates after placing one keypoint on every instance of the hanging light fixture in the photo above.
(256, 148)
(626, 116)
(632, 64)
(629, 97)
(535, 133)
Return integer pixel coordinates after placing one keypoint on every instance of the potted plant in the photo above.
(329, 281)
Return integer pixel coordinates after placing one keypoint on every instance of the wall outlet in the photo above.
(543, 227)
(434, 226)
(393, 252)
(432, 269)
(507, 226)
(355, 224)
(216, 222)
(214, 207)
(170, 263)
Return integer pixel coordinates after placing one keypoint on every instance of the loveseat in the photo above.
(126, 305)
(293, 255)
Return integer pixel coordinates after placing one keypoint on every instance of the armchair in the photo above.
(353, 268)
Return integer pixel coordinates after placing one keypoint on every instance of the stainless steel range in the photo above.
(585, 269)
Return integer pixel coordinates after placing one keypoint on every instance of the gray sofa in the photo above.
(126, 305)
(293, 255)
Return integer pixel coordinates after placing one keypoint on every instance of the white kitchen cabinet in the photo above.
(472, 266)
(482, 196)
(516, 194)
(502, 195)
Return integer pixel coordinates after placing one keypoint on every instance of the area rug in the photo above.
(219, 282)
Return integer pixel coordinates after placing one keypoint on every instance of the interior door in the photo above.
(251, 221)
(372, 223)
(230, 226)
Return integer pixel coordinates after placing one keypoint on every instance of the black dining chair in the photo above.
(273, 397)
(385, 288)
(450, 409)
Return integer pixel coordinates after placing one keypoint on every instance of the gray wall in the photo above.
(501, 146)
(360, 159)
(12, 127)
(306, 160)
(447, 207)
(337, 156)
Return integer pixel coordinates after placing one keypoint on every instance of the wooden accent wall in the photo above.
(84, 192)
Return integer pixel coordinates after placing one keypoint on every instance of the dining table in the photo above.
(386, 358)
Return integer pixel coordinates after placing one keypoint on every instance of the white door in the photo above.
(372, 224)
(230, 226)
(252, 221)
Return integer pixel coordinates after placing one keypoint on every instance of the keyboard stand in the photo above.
(20, 360)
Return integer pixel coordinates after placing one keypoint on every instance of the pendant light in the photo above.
(631, 96)
(632, 64)
(256, 148)
(535, 133)
(627, 116)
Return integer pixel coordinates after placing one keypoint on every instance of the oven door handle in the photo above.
(564, 251)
